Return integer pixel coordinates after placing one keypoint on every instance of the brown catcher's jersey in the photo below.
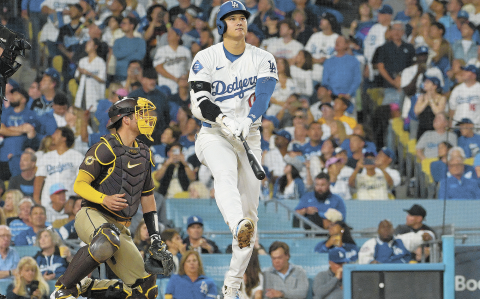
(117, 169)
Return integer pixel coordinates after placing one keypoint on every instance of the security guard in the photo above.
(114, 179)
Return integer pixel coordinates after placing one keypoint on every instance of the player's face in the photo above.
(279, 259)
(236, 27)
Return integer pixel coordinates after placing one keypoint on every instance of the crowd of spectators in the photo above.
(327, 135)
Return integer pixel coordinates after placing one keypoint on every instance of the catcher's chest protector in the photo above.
(127, 174)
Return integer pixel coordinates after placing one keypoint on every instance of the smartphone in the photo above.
(368, 161)
(176, 151)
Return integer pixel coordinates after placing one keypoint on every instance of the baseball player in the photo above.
(232, 83)
(114, 178)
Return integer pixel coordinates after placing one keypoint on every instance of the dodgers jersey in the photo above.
(466, 102)
(233, 83)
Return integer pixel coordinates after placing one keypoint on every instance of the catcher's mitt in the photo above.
(158, 260)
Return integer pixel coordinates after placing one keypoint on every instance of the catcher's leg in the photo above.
(103, 246)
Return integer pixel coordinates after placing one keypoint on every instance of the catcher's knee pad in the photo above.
(145, 287)
(105, 242)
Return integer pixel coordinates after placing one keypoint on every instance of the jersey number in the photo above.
(251, 99)
(273, 69)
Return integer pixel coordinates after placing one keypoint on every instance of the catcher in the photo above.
(114, 179)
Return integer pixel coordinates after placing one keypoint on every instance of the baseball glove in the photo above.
(158, 260)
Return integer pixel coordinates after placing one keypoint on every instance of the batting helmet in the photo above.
(227, 8)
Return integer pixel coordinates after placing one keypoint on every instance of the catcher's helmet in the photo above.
(141, 107)
(226, 9)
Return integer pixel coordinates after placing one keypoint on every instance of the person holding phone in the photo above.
(370, 181)
(28, 282)
(176, 173)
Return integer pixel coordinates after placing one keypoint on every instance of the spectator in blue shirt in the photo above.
(290, 185)
(314, 146)
(18, 127)
(24, 181)
(320, 200)
(339, 236)
(23, 222)
(38, 218)
(469, 141)
(9, 260)
(459, 184)
(191, 282)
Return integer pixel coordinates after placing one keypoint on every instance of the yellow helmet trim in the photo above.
(145, 119)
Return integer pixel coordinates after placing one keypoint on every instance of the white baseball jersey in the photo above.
(51, 29)
(233, 83)
(88, 86)
(321, 45)
(58, 169)
(279, 48)
(466, 102)
(175, 62)
(374, 39)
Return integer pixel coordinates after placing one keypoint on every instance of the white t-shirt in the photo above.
(53, 215)
(92, 89)
(275, 162)
(321, 45)
(466, 102)
(51, 29)
(58, 169)
(374, 39)
(341, 187)
(279, 48)
(176, 62)
(371, 187)
(303, 80)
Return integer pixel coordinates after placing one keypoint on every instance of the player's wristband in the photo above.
(151, 221)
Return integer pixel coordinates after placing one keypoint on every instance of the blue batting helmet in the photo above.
(225, 9)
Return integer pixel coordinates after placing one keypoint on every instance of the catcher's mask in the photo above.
(143, 109)
(12, 44)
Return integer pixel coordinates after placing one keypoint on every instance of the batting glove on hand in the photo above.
(244, 127)
(228, 125)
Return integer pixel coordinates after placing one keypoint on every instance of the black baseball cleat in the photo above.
(62, 293)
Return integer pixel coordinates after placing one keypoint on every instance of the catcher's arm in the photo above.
(158, 259)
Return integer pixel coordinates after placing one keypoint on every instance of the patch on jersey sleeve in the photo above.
(197, 67)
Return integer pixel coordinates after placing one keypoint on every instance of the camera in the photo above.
(32, 287)
(369, 161)
(176, 151)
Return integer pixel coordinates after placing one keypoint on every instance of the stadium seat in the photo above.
(57, 63)
(4, 285)
(72, 88)
(162, 286)
(469, 161)
(26, 250)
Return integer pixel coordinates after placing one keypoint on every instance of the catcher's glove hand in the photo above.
(158, 260)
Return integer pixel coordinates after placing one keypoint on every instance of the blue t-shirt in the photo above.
(369, 147)
(181, 286)
(465, 188)
(350, 249)
(188, 146)
(159, 152)
(102, 115)
(392, 252)
(9, 263)
(438, 169)
(333, 201)
(471, 146)
(309, 150)
(28, 236)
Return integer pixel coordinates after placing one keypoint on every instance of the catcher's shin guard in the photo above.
(145, 287)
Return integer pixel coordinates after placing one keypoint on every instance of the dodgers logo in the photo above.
(237, 88)
(234, 4)
(197, 67)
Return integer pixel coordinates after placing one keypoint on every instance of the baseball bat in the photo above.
(256, 166)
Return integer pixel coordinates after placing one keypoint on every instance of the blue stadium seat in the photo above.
(215, 266)
(26, 250)
(162, 286)
(4, 285)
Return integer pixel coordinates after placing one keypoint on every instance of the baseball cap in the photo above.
(387, 151)
(273, 119)
(121, 92)
(421, 50)
(272, 15)
(296, 147)
(368, 154)
(434, 80)
(183, 18)
(52, 73)
(57, 188)
(202, 16)
(150, 74)
(470, 68)
(255, 30)
(325, 104)
(13, 83)
(416, 210)
(191, 12)
(295, 162)
(332, 215)
(331, 161)
(386, 9)
(346, 101)
(177, 31)
(21, 91)
(284, 134)
(471, 25)
(194, 220)
(462, 15)
(461, 122)
(338, 255)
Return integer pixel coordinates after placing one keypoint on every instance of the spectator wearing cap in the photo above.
(465, 48)
(459, 183)
(314, 204)
(454, 33)
(464, 101)
(427, 144)
(153, 25)
(114, 9)
(358, 130)
(328, 284)
(70, 37)
(376, 37)
(188, 34)
(340, 106)
(127, 48)
(285, 46)
(55, 118)
(393, 57)
(323, 95)
(383, 160)
(195, 240)
(428, 104)
(290, 185)
(150, 91)
(322, 44)
(172, 61)
(269, 125)
(468, 140)
(181, 8)
(254, 36)
(370, 182)
(342, 71)
(18, 128)
(54, 209)
(274, 159)
(48, 87)
(92, 74)
(339, 174)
